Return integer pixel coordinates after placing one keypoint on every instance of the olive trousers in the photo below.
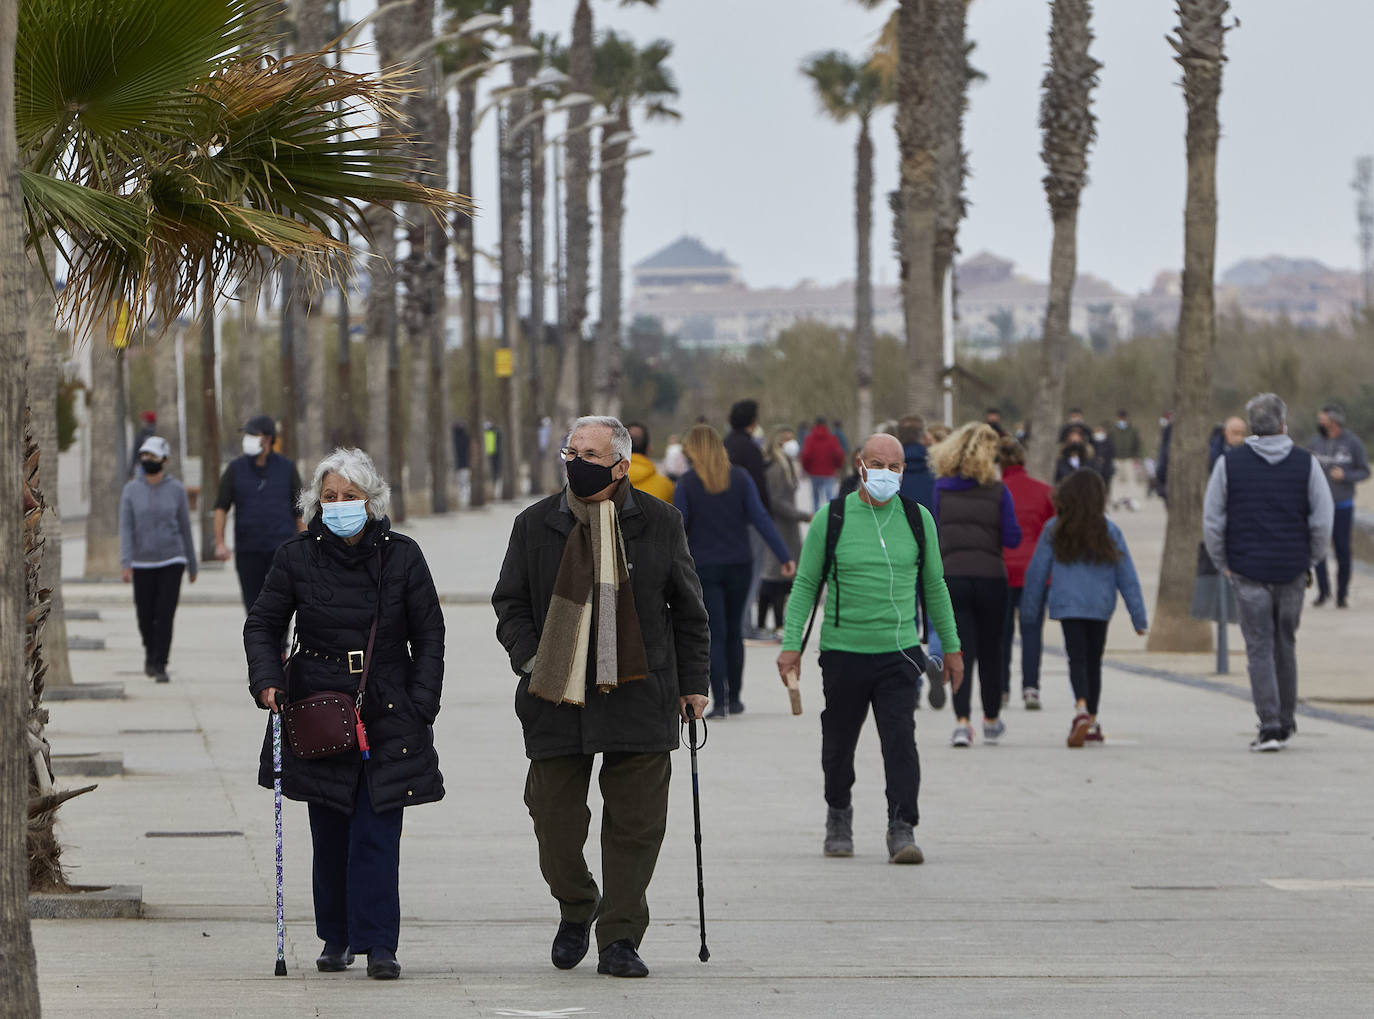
(634, 816)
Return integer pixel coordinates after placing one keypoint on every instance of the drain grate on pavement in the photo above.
(192, 834)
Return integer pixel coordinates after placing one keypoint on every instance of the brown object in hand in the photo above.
(793, 681)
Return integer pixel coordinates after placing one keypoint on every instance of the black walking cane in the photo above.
(694, 746)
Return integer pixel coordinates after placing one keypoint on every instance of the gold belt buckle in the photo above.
(355, 662)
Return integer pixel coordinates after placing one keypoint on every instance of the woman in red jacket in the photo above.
(1033, 508)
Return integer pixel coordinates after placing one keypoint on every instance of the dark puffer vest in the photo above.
(331, 588)
(971, 531)
(1266, 515)
(263, 514)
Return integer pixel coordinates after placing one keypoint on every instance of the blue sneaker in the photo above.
(993, 731)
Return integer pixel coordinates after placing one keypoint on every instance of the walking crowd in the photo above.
(627, 597)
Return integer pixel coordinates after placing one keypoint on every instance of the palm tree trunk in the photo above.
(44, 376)
(312, 35)
(511, 187)
(1200, 45)
(863, 280)
(916, 136)
(569, 402)
(291, 329)
(1047, 408)
(109, 467)
(380, 318)
(612, 194)
(19, 972)
(165, 388)
(465, 259)
(209, 436)
(436, 259)
(541, 352)
(250, 348)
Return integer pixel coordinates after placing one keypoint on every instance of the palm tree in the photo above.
(625, 77)
(570, 401)
(1067, 128)
(1199, 47)
(852, 88)
(161, 162)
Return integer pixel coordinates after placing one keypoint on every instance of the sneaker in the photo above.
(935, 672)
(1268, 741)
(963, 736)
(1078, 732)
(161, 675)
(993, 731)
(1342, 602)
(1030, 696)
(839, 831)
(1321, 600)
(901, 844)
(1094, 734)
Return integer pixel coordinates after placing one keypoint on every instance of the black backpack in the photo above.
(829, 573)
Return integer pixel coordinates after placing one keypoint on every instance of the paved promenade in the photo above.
(1170, 872)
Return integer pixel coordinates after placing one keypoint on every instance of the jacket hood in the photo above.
(1272, 447)
(915, 455)
(641, 468)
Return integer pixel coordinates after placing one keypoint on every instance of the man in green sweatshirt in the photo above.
(870, 644)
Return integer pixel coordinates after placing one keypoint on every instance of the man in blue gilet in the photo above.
(1266, 519)
(263, 488)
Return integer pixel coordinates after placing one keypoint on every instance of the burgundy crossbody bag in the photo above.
(327, 724)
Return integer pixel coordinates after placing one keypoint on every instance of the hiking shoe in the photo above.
(993, 731)
(839, 831)
(1078, 732)
(1268, 741)
(935, 672)
(619, 959)
(1094, 734)
(962, 737)
(901, 843)
(1030, 696)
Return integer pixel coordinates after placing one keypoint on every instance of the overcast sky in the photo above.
(755, 170)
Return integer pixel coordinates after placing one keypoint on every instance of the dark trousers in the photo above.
(634, 816)
(1340, 544)
(357, 874)
(980, 611)
(725, 589)
(252, 568)
(1084, 642)
(852, 682)
(773, 595)
(156, 592)
(1032, 643)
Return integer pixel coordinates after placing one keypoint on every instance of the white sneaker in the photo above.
(962, 737)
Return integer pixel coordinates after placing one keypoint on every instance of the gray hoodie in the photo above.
(1273, 448)
(1345, 451)
(155, 525)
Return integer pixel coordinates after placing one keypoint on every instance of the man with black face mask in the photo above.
(601, 612)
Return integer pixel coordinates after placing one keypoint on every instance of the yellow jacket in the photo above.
(645, 477)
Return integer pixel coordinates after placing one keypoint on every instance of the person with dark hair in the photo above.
(1126, 441)
(744, 448)
(822, 458)
(462, 460)
(1266, 518)
(1075, 421)
(780, 469)
(1082, 557)
(992, 417)
(644, 474)
(1342, 457)
(263, 489)
(1033, 508)
(1076, 452)
(918, 484)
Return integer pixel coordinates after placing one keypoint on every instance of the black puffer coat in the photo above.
(640, 716)
(331, 587)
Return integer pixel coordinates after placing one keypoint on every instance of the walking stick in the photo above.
(693, 745)
(276, 797)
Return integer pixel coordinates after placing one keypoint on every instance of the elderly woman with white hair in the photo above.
(367, 615)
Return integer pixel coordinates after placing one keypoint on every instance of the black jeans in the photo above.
(1032, 644)
(156, 592)
(725, 589)
(357, 874)
(773, 595)
(852, 682)
(980, 610)
(1340, 544)
(1084, 642)
(252, 569)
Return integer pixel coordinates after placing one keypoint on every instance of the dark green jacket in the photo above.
(637, 717)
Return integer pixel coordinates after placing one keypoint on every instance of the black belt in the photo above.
(351, 660)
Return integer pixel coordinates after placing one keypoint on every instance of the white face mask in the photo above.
(791, 447)
(252, 445)
(1163, 422)
(881, 485)
(1099, 436)
(1121, 424)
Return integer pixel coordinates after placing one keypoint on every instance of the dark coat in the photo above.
(744, 452)
(331, 588)
(640, 716)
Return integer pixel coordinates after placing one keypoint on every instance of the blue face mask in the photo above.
(881, 485)
(345, 518)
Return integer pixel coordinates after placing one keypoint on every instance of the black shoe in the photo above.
(736, 707)
(571, 941)
(161, 675)
(382, 964)
(619, 959)
(1342, 602)
(716, 712)
(149, 669)
(334, 959)
(1322, 599)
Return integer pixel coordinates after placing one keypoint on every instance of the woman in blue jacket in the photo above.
(718, 502)
(1084, 558)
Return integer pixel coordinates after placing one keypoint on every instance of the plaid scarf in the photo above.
(591, 595)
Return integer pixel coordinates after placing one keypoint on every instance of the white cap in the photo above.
(156, 445)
